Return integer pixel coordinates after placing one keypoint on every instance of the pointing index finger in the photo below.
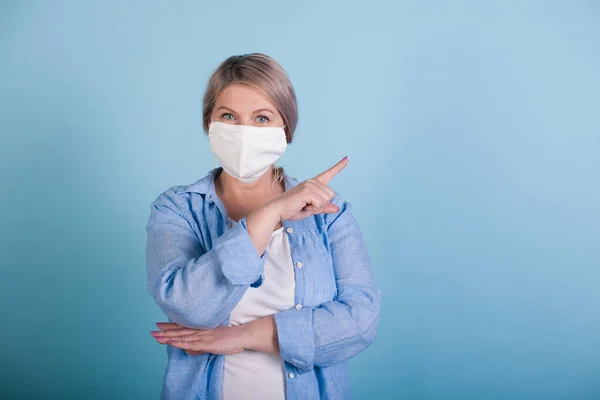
(326, 176)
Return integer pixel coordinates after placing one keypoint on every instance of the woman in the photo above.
(266, 282)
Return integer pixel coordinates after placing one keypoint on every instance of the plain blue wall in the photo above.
(472, 131)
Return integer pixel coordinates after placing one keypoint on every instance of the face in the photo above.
(241, 104)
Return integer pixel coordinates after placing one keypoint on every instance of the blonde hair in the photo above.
(264, 74)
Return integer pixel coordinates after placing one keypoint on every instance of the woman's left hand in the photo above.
(220, 340)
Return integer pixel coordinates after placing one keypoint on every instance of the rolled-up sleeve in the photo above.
(195, 287)
(340, 329)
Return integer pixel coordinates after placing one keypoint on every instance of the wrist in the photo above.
(260, 335)
(269, 213)
(254, 334)
(247, 335)
(273, 209)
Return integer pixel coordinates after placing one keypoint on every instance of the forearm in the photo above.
(195, 287)
(189, 296)
(261, 335)
(331, 333)
(260, 225)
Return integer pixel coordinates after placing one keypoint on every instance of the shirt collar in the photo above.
(206, 187)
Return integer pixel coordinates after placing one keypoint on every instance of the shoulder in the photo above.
(181, 199)
(169, 207)
(175, 198)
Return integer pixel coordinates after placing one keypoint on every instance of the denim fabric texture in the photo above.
(198, 269)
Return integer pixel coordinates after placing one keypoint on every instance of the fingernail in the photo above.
(159, 337)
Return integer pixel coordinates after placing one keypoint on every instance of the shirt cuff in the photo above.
(295, 337)
(237, 256)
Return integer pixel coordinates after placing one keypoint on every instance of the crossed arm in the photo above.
(198, 289)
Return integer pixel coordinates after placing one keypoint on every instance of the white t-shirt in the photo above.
(253, 375)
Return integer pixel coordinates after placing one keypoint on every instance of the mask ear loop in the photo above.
(214, 162)
(278, 176)
(275, 173)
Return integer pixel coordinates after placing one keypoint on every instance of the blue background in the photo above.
(473, 136)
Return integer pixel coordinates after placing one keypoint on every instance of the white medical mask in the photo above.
(246, 152)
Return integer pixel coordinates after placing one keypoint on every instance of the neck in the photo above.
(261, 190)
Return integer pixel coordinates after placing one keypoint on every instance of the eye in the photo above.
(227, 116)
(262, 119)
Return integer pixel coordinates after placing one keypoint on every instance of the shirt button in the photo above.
(289, 230)
(299, 264)
(291, 375)
(298, 306)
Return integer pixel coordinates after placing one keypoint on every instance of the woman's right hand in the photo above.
(309, 197)
(312, 196)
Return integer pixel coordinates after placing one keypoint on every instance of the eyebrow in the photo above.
(260, 109)
(264, 109)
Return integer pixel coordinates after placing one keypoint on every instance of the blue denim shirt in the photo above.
(198, 269)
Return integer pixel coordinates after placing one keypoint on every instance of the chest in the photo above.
(315, 278)
(277, 291)
(299, 269)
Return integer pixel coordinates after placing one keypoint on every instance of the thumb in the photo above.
(331, 208)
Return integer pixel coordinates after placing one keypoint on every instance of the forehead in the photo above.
(242, 97)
